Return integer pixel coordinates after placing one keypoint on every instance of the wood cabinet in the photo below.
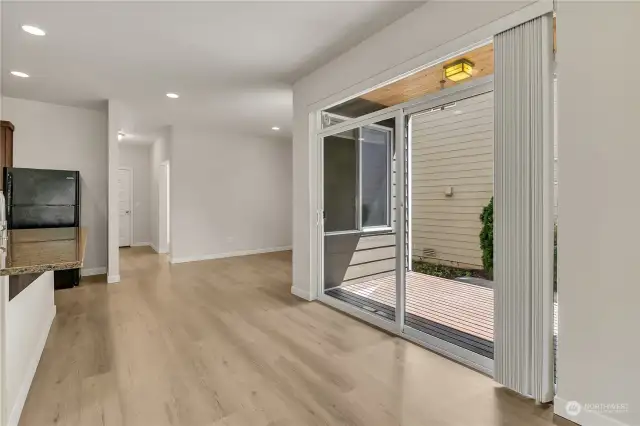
(6, 147)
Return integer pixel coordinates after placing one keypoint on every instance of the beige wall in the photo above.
(451, 148)
(230, 194)
(599, 207)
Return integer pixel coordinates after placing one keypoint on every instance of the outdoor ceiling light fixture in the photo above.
(458, 70)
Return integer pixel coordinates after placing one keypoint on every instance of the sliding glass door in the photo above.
(407, 217)
(359, 235)
(448, 285)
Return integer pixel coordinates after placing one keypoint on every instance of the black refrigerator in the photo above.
(39, 198)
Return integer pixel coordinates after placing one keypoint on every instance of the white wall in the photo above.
(404, 45)
(49, 136)
(599, 207)
(160, 152)
(29, 317)
(138, 158)
(229, 194)
(4, 284)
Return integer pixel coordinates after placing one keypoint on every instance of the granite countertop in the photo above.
(40, 250)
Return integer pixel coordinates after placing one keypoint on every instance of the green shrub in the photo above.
(437, 270)
(486, 238)
(486, 243)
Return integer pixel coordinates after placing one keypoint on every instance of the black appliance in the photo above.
(38, 198)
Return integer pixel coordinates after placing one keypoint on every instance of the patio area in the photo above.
(454, 311)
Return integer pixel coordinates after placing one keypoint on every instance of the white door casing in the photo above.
(125, 206)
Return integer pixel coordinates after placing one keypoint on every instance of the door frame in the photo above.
(131, 208)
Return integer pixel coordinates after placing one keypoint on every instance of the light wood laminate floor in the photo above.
(225, 343)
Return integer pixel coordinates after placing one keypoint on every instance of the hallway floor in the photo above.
(223, 342)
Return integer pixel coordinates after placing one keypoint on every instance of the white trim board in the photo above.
(301, 293)
(584, 417)
(21, 398)
(230, 254)
(112, 279)
(87, 272)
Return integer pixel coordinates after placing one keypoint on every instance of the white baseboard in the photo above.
(301, 293)
(87, 272)
(230, 254)
(153, 246)
(584, 417)
(140, 244)
(111, 279)
(16, 411)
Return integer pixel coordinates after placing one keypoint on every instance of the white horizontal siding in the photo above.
(451, 150)
(374, 254)
(375, 241)
(365, 269)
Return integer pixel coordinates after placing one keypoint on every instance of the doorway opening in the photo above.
(125, 206)
(449, 279)
(139, 191)
(164, 217)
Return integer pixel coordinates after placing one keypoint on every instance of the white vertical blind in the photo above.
(523, 209)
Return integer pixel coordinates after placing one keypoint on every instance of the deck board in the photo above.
(461, 306)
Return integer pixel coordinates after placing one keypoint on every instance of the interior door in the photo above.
(124, 194)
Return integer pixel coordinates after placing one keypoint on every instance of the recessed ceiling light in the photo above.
(20, 74)
(33, 30)
(456, 112)
(275, 128)
(173, 95)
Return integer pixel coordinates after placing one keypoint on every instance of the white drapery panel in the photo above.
(523, 225)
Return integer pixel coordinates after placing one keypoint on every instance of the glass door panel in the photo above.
(376, 177)
(341, 182)
(448, 285)
(359, 235)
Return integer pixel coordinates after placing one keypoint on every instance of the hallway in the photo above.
(224, 342)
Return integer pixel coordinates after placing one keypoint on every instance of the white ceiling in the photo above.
(232, 63)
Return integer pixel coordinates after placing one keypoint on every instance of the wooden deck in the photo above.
(438, 306)
(461, 306)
